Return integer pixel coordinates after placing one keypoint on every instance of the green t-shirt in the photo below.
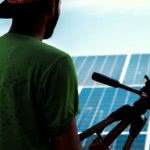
(38, 92)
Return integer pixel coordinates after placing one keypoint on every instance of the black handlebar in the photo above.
(112, 82)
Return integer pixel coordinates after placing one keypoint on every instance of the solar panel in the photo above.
(98, 101)
(139, 143)
(138, 67)
(108, 65)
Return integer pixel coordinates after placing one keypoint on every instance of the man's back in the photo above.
(33, 107)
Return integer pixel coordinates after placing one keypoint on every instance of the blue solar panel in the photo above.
(138, 144)
(96, 103)
(138, 67)
(85, 69)
(78, 61)
(108, 65)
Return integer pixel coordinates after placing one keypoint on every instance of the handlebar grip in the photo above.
(104, 79)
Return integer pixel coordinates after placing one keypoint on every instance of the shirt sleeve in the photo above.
(60, 95)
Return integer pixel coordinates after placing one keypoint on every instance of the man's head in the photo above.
(32, 15)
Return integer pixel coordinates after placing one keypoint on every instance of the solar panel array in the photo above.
(97, 101)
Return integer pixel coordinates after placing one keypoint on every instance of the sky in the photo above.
(89, 27)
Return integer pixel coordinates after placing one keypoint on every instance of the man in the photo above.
(38, 86)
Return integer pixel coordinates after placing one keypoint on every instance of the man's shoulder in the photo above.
(50, 53)
(51, 50)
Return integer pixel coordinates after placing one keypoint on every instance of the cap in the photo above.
(10, 8)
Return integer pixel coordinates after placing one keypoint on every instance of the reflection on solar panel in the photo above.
(98, 101)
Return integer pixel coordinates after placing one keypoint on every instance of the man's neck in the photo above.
(30, 31)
